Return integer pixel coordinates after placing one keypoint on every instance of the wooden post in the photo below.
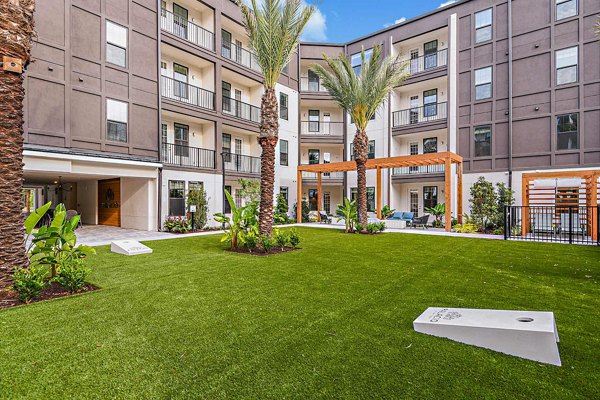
(299, 199)
(448, 193)
(524, 206)
(459, 194)
(319, 195)
(379, 190)
(593, 195)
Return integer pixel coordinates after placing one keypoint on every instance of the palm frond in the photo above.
(274, 29)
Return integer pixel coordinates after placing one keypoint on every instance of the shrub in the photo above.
(242, 225)
(305, 211)
(72, 275)
(438, 211)
(281, 239)
(375, 227)
(251, 241)
(198, 198)
(359, 227)
(387, 212)
(294, 238)
(466, 228)
(29, 282)
(267, 243)
(347, 212)
(177, 225)
(280, 215)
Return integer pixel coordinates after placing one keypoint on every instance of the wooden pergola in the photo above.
(443, 158)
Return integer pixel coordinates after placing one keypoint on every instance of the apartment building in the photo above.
(131, 103)
(507, 113)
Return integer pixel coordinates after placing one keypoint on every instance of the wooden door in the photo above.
(109, 202)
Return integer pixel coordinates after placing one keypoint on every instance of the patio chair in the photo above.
(325, 219)
(71, 214)
(420, 221)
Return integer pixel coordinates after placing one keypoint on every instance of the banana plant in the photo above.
(242, 223)
(347, 212)
(55, 244)
(438, 211)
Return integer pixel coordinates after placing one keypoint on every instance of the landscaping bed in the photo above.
(9, 298)
(275, 250)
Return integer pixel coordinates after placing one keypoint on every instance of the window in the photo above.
(283, 152)
(182, 138)
(566, 65)
(225, 43)
(430, 50)
(430, 196)
(483, 141)
(116, 44)
(313, 199)
(430, 145)
(430, 103)
(327, 202)
(237, 198)
(163, 69)
(226, 205)
(283, 106)
(356, 60)
(116, 120)
(163, 133)
(314, 156)
(180, 77)
(286, 69)
(413, 151)
(567, 131)
(483, 26)
(226, 90)
(313, 81)
(565, 8)
(285, 192)
(370, 197)
(371, 154)
(226, 147)
(483, 83)
(313, 120)
(180, 21)
(163, 8)
(195, 186)
(176, 198)
(414, 202)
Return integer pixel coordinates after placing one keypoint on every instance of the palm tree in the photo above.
(361, 95)
(16, 35)
(274, 30)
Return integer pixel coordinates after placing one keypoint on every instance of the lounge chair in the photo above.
(405, 216)
(420, 221)
(325, 219)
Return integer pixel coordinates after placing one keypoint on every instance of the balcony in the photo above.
(430, 116)
(427, 63)
(239, 109)
(241, 164)
(185, 93)
(322, 131)
(240, 56)
(185, 156)
(186, 30)
(407, 173)
(310, 85)
(326, 177)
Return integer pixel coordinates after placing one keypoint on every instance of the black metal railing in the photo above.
(187, 30)
(240, 56)
(418, 115)
(312, 85)
(184, 92)
(419, 170)
(562, 224)
(186, 156)
(427, 62)
(325, 128)
(240, 109)
(241, 163)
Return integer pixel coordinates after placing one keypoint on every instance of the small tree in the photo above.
(505, 197)
(281, 210)
(347, 212)
(484, 203)
(198, 198)
(250, 190)
(305, 211)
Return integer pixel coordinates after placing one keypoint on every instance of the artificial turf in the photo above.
(333, 320)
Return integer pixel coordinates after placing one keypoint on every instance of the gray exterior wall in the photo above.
(68, 82)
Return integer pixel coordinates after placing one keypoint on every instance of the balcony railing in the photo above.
(187, 30)
(240, 109)
(186, 93)
(325, 176)
(241, 163)
(307, 85)
(427, 62)
(417, 115)
(240, 56)
(186, 156)
(419, 170)
(322, 128)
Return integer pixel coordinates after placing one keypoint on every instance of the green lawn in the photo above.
(333, 320)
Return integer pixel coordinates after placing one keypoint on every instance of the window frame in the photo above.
(173, 198)
(370, 197)
(490, 83)
(557, 3)
(283, 114)
(489, 140)
(285, 191)
(116, 45)
(565, 133)
(282, 153)
(317, 152)
(119, 123)
(557, 68)
(482, 27)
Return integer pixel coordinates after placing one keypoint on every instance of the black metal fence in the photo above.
(561, 224)
(241, 163)
(186, 156)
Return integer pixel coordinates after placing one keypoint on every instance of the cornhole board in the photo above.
(129, 247)
(526, 334)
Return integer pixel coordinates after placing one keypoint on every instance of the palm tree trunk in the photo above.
(16, 34)
(361, 154)
(269, 130)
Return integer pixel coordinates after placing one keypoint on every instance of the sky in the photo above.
(338, 21)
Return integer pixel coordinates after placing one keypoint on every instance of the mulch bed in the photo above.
(8, 298)
(260, 253)
(195, 231)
